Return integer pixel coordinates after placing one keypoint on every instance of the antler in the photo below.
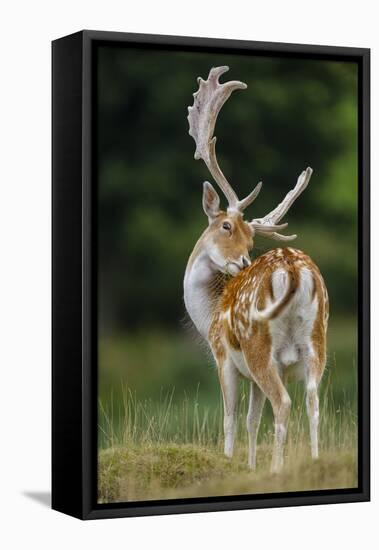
(202, 116)
(266, 226)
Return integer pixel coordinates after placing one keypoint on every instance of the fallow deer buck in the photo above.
(268, 321)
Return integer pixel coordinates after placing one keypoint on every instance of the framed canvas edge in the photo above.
(90, 36)
(92, 510)
(66, 420)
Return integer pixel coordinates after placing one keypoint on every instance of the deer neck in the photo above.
(203, 286)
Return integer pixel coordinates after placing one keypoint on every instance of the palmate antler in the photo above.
(202, 117)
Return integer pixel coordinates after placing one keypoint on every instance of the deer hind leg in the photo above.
(271, 385)
(281, 405)
(228, 375)
(312, 380)
(312, 403)
(253, 420)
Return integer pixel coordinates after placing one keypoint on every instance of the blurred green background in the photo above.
(295, 113)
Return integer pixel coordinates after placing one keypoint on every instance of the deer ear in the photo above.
(211, 201)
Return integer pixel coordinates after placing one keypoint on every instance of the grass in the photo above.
(173, 449)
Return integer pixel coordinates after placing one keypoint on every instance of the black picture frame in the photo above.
(74, 386)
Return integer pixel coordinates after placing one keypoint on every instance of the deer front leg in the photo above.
(228, 376)
(253, 420)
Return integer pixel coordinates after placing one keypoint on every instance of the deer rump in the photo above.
(290, 310)
(291, 330)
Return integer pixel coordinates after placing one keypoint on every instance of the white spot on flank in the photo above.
(226, 317)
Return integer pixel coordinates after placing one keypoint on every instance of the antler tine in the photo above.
(279, 237)
(250, 198)
(202, 116)
(277, 214)
(262, 226)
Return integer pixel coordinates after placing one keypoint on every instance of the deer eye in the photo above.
(227, 226)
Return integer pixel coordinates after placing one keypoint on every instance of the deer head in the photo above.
(229, 237)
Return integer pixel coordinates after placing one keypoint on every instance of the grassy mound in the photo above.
(143, 472)
(161, 471)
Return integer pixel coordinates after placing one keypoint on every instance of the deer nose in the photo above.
(245, 261)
